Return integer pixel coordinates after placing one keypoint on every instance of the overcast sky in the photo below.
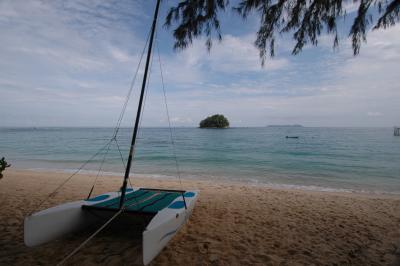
(70, 63)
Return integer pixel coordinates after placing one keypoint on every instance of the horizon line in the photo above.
(128, 127)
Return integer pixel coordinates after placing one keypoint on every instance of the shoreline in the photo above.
(220, 179)
(232, 224)
(340, 160)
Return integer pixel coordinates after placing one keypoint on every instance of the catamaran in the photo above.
(161, 212)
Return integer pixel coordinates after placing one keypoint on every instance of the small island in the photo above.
(215, 121)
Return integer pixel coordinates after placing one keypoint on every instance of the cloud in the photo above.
(374, 114)
(238, 54)
(319, 87)
(121, 55)
(351, 6)
(67, 60)
(233, 55)
(66, 53)
(181, 120)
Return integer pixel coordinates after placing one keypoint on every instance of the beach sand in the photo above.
(232, 224)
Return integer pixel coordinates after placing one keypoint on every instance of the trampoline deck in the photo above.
(140, 201)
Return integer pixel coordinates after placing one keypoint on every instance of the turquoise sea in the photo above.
(349, 159)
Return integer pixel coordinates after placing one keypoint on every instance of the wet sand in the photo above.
(232, 224)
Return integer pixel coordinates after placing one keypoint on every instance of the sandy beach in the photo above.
(232, 224)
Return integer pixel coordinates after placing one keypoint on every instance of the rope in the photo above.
(169, 122)
(91, 237)
(122, 159)
(142, 111)
(144, 100)
(116, 129)
(121, 115)
(69, 178)
(100, 168)
(76, 250)
(118, 125)
(120, 154)
(114, 137)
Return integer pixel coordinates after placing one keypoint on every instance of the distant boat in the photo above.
(158, 213)
(292, 137)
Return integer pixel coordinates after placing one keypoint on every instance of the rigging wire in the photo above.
(69, 178)
(113, 138)
(123, 207)
(91, 236)
(120, 155)
(100, 168)
(144, 99)
(169, 122)
(119, 212)
(121, 116)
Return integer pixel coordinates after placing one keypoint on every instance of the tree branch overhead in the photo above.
(305, 20)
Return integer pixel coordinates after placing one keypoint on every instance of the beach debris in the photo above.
(3, 166)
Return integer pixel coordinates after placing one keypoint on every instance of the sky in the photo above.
(70, 63)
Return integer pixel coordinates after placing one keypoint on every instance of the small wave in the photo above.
(245, 181)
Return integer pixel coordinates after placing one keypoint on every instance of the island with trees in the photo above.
(215, 121)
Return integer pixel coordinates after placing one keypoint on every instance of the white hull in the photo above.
(165, 225)
(53, 223)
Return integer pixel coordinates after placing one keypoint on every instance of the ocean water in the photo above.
(349, 159)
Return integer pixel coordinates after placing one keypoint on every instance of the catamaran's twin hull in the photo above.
(159, 228)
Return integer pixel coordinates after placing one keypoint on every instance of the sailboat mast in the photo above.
(132, 148)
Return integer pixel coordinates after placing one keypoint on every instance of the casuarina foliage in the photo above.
(305, 20)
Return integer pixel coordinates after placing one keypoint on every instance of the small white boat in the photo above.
(160, 212)
(163, 211)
